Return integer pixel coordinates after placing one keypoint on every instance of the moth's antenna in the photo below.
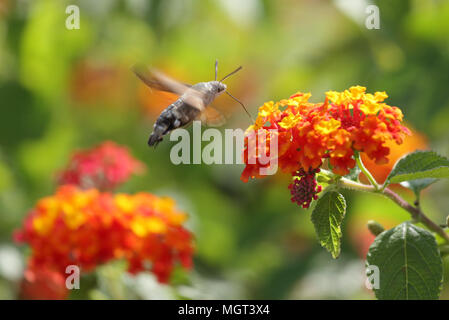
(240, 104)
(230, 74)
(216, 69)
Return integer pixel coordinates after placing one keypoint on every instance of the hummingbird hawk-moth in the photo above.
(192, 104)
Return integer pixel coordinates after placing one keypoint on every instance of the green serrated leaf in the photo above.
(417, 185)
(419, 165)
(409, 264)
(327, 217)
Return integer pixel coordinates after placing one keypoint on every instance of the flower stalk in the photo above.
(416, 213)
(365, 171)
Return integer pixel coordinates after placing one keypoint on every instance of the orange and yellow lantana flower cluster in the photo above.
(88, 227)
(345, 122)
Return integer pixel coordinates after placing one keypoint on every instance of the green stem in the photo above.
(365, 171)
(415, 212)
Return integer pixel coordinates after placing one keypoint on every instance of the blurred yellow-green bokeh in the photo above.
(63, 90)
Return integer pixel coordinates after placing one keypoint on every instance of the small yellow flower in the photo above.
(138, 227)
(289, 121)
(164, 204)
(325, 127)
(357, 92)
(42, 224)
(155, 225)
(380, 96)
(143, 226)
(370, 106)
(334, 96)
(75, 219)
(296, 100)
(125, 203)
(267, 108)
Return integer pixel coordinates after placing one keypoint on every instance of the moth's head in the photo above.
(219, 87)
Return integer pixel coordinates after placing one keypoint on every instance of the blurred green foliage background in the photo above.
(62, 90)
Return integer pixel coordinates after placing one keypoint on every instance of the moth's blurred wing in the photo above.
(159, 81)
(211, 117)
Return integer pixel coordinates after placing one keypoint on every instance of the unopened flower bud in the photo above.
(375, 227)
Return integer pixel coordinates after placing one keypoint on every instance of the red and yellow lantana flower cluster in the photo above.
(87, 228)
(85, 224)
(308, 133)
